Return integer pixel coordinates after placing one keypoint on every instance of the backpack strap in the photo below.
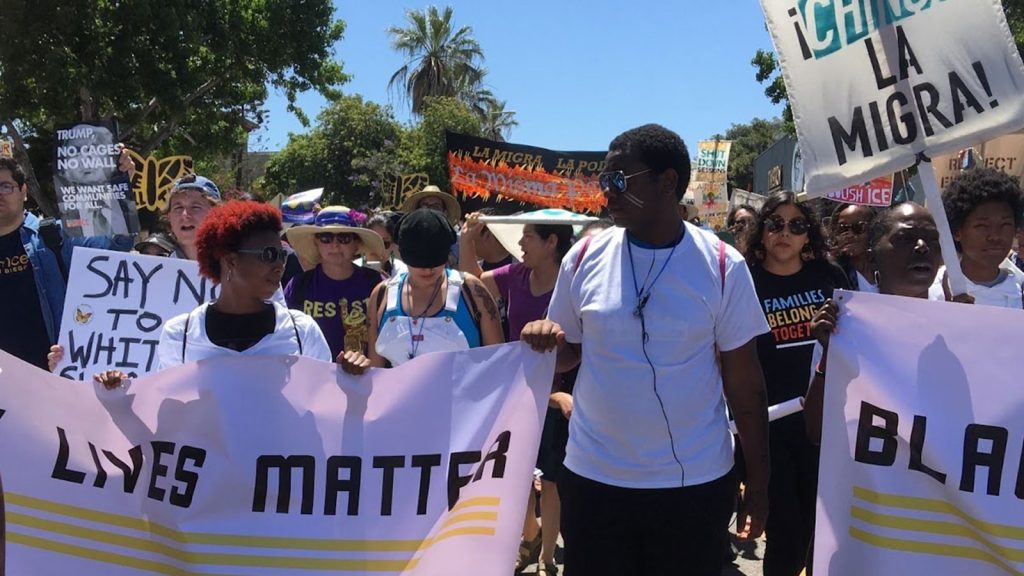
(456, 285)
(295, 327)
(474, 311)
(583, 252)
(721, 263)
(392, 292)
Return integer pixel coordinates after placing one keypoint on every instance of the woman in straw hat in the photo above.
(433, 198)
(335, 291)
(430, 308)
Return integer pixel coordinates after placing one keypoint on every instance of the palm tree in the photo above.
(440, 60)
(497, 122)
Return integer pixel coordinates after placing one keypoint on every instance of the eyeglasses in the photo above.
(326, 238)
(615, 182)
(797, 226)
(268, 255)
(858, 228)
(9, 188)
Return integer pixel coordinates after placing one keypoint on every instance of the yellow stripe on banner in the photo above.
(205, 558)
(487, 501)
(939, 506)
(932, 549)
(316, 544)
(468, 531)
(97, 555)
(935, 527)
(471, 517)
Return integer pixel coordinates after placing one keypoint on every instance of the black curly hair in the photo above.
(972, 188)
(754, 241)
(659, 149)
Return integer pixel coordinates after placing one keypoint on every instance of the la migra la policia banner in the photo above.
(274, 465)
(478, 167)
(873, 83)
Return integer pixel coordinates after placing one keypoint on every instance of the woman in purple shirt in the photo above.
(527, 288)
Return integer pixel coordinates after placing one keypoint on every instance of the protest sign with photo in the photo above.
(877, 192)
(274, 465)
(915, 77)
(155, 177)
(480, 168)
(1005, 154)
(713, 160)
(95, 197)
(6, 149)
(923, 427)
(116, 306)
(740, 197)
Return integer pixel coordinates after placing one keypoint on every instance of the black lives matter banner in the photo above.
(95, 198)
(480, 168)
(273, 465)
(921, 451)
(915, 76)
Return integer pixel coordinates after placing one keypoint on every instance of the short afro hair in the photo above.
(226, 227)
(976, 186)
(659, 149)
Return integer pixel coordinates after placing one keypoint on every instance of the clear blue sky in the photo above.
(575, 72)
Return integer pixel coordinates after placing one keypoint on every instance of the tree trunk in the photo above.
(46, 204)
(87, 104)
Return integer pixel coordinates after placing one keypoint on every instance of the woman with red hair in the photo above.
(238, 246)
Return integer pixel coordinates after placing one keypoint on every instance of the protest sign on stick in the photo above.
(95, 197)
(877, 192)
(917, 79)
(116, 306)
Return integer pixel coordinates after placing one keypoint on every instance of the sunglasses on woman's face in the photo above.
(858, 228)
(268, 255)
(616, 182)
(329, 238)
(797, 226)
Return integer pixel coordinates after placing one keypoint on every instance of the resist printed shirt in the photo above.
(338, 306)
(22, 329)
(659, 423)
(789, 304)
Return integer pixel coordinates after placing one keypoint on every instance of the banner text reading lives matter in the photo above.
(922, 470)
(274, 465)
(479, 168)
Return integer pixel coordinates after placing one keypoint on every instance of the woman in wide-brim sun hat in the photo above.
(332, 220)
(422, 199)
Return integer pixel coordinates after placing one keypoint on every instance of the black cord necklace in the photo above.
(414, 337)
(643, 293)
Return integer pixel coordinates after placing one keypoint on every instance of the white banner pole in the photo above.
(957, 280)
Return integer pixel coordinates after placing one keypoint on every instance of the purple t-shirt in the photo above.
(513, 282)
(338, 306)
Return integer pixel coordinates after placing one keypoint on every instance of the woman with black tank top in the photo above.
(239, 247)
(785, 251)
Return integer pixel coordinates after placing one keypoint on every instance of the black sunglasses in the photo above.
(268, 255)
(858, 228)
(797, 226)
(340, 238)
(616, 182)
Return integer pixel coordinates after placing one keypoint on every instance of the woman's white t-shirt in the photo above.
(1005, 294)
(291, 327)
(626, 430)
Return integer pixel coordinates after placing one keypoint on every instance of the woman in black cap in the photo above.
(430, 308)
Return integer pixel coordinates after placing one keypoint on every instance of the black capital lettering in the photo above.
(130, 474)
(867, 430)
(388, 465)
(190, 478)
(455, 478)
(60, 467)
(842, 139)
(354, 465)
(159, 470)
(497, 456)
(284, 467)
(917, 464)
(973, 457)
(425, 462)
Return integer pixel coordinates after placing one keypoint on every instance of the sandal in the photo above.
(529, 553)
(547, 570)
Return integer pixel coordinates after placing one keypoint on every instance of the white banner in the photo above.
(116, 306)
(274, 465)
(921, 452)
(873, 83)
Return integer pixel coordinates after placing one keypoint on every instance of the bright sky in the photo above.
(576, 72)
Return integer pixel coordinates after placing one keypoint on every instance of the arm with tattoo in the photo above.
(489, 320)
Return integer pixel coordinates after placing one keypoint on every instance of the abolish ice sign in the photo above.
(874, 82)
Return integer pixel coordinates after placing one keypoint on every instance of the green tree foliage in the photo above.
(178, 75)
(440, 59)
(423, 149)
(497, 122)
(343, 154)
(769, 71)
(748, 141)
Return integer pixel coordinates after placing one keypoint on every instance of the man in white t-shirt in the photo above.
(644, 309)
